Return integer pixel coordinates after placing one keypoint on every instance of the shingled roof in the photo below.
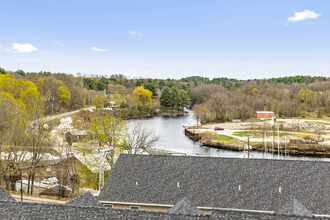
(22, 210)
(248, 215)
(248, 184)
(294, 207)
(186, 207)
(84, 200)
(5, 196)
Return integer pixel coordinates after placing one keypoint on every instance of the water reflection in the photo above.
(170, 128)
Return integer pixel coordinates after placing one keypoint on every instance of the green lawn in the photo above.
(260, 134)
(227, 140)
(222, 137)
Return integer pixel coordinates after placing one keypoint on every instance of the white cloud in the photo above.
(58, 43)
(22, 48)
(98, 49)
(136, 33)
(304, 15)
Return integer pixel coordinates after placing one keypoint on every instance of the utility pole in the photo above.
(278, 142)
(101, 166)
(20, 171)
(285, 146)
(274, 134)
(265, 141)
(248, 145)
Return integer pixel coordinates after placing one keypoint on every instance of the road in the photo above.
(48, 118)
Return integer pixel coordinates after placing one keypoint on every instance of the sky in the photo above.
(167, 38)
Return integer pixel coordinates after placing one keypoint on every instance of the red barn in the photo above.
(265, 115)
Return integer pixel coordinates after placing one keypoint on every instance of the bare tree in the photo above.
(141, 139)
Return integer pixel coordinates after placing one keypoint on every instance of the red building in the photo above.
(265, 115)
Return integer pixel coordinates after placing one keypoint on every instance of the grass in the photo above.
(253, 120)
(227, 140)
(222, 137)
(260, 134)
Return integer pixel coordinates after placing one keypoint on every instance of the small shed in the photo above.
(265, 115)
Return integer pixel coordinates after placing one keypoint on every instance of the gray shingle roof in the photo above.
(186, 207)
(84, 200)
(22, 210)
(250, 184)
(294, 207)
(5, 196)
(10, 210)
(226, 214)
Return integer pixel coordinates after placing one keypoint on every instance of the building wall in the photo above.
(147, 207)
(265, 115)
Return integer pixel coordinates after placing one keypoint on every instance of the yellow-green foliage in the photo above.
(144, 95)
(24, 91)
(63, 94)
(116, 98)
(98, 101)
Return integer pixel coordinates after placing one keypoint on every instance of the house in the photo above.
(265, 115)
(150, 182)
(111, 106)
(86, 207)
(65, 169)
(74, 136)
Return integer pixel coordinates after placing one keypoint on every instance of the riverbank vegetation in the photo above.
(218, 99)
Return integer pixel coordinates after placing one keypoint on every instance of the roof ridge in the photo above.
(229, 158)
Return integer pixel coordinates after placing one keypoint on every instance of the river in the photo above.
(171, 130)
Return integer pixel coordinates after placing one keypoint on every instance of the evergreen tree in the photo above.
(165, 97)
(175, 94)
(151, 86)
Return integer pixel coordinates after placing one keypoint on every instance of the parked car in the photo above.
(218, 129)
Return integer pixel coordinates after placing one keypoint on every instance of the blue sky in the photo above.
(167, 38)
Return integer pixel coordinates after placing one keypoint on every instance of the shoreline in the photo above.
(320, 151)
(156, 115)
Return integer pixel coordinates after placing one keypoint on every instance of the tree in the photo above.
(89, 83)
(63, 95)
(20, 72)
(102, 84)
(151, 86)
(143, 95)
(165, 97)
(2, 71)
(98, 101)
(110, 133)
(175, 96)
(113, 88)
(184, 99)
(116, 98)
(201, 113)
(140, 139)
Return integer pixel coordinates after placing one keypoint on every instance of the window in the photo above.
(135, 208)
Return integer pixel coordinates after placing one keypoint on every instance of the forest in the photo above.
(218, 99)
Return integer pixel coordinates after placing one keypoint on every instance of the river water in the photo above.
(171, 130)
